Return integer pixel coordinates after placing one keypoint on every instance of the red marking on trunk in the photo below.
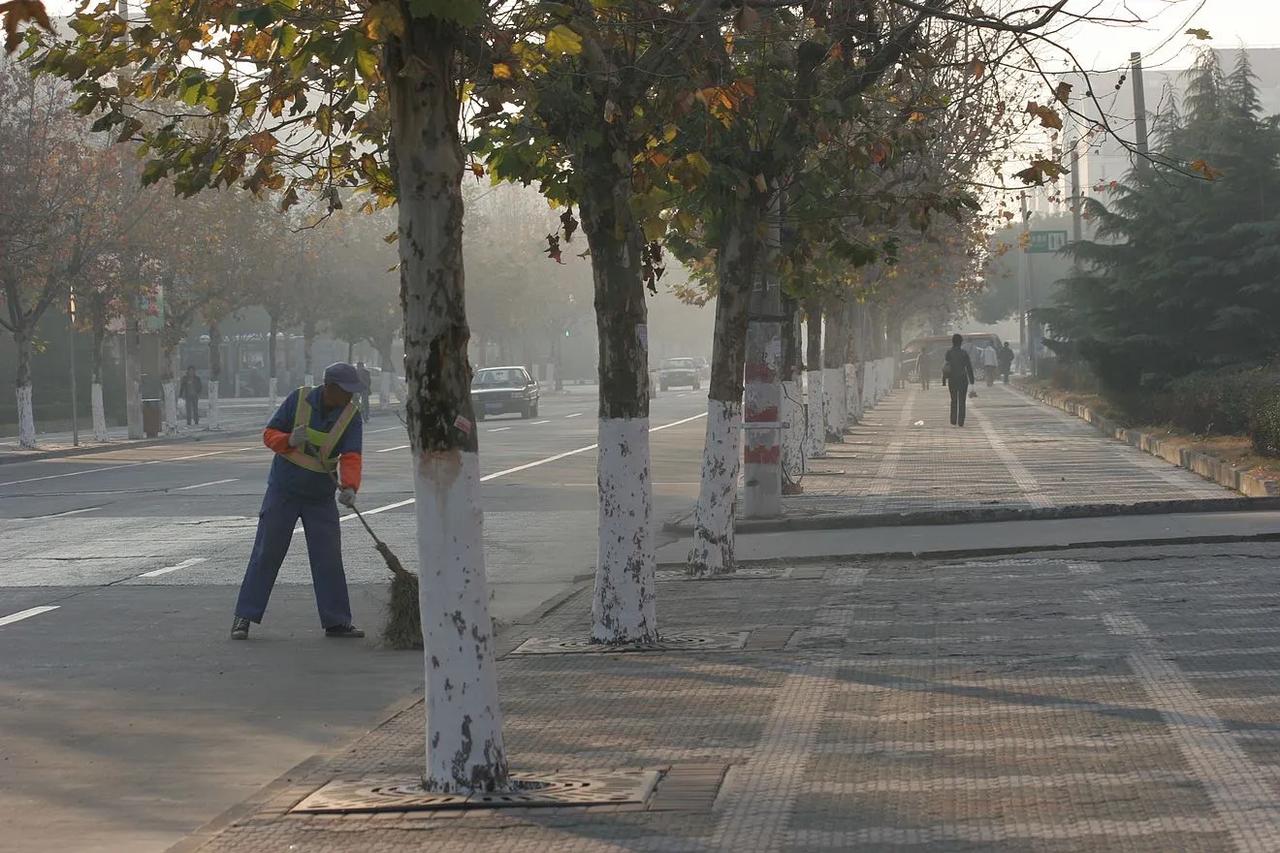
(768, 416)
(762, 455)
(760, 372)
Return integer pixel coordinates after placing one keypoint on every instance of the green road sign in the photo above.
(1046, 242)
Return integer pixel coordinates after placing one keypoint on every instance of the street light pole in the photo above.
(75, 418)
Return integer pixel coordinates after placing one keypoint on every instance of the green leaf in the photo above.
(563, 41)
(367, 62)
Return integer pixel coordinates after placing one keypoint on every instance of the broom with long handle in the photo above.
(404, 622)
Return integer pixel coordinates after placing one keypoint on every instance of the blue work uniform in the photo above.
(294, 493)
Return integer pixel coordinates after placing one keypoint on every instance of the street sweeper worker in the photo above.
(316, 435)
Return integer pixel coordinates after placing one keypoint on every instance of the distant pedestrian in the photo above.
(1006, 361)
(925, 368)
(362, 373)
(957, 375)
(990, 363)
(189, 390)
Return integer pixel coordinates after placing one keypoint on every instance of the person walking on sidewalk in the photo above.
(317, 437)
(1006, 361)
(990, 363)
(189, 390)
(957, 375)
(924, 368)
(366, 385)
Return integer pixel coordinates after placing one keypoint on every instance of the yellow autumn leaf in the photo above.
(502, 71)
(562, 40)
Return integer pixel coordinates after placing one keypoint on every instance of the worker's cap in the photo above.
(344, 376)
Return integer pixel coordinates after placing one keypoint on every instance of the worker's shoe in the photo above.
(239, 628)
(344, 632)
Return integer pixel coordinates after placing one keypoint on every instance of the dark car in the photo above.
(503, 391)
(679, 371)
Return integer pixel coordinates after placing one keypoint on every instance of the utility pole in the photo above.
(71, 314)
(1024, 266)
(762, 400)
(132, 331)
(1139, 109)
(1077, 227)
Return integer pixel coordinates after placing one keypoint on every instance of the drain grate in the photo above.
(529, 790)
(745, 572)
(682, 642)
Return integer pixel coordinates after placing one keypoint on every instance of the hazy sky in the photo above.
(1254, 23)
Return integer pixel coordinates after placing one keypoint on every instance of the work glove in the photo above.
(298, 437)
(347, 497)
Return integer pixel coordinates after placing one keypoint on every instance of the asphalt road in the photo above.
(128, 719)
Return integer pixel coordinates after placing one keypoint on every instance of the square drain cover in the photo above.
(529, 790)
(683, 642)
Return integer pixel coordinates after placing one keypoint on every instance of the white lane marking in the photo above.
(495, 475)
(210, 483)
(500, 429)
(574, 415)
(1025, 480)
(538, 423)
(390, 449)
(123, 467)
(26, 614)
(383, 429)
(185, 564)
(60, 514)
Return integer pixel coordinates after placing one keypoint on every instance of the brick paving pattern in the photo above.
(1125, 700)
(1012, 452)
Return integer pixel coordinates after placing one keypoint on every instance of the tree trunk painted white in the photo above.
(712, 550)
(309, 379)
(464, 749)
(793, 435)
(384, 390)
(853, 395)
(169, 391)
(273, 396)
(211, 418)
(816, 438)
(833, 391)
(26, 417)
(868, 381)
(624, 607)
(99, 413)
(464, 720)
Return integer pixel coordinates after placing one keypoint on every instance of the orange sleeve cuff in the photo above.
(276, 440)
(351, 464)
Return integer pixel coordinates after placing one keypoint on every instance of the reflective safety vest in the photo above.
(315, 454)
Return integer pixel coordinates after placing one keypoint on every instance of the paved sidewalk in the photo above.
(1013, 452)
(1117, 701)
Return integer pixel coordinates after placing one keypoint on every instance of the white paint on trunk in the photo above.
(793, 436)
(309, 379)
(211, 419)
(853, 395)
(464, 720)
(272, 396)
(712, 551)
(26, 418)
(384, 391)
(816, 440)
(624, 607)
(99, 413)
(834, 393)
(868, 381)
(169, 393)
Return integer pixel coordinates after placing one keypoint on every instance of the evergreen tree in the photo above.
(1181, 276)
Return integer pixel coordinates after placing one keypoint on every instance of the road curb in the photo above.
(978, 515)
(125, 444)
(1004, 550)
(1209, 467)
